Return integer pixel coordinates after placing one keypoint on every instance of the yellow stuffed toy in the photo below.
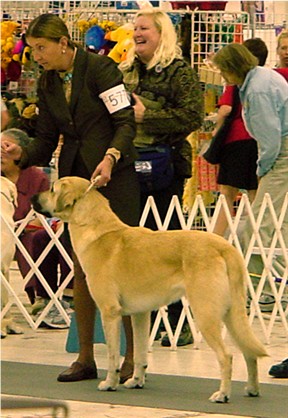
(10, 69)
(124, 38)
(8, 39)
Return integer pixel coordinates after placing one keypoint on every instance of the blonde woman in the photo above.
(282, 49)
(168, 106)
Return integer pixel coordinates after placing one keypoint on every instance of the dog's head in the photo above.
(9, 190)
(61, 198)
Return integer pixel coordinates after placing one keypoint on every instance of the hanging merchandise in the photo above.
(238, 35)
(10, 68)
(122, 36)
(126, 5)
(94, 39)
(132, 5)
(201, 5)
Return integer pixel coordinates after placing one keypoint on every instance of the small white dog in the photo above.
(8, 203)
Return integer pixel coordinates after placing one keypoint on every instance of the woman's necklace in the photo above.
(67, 77)
(68, 74)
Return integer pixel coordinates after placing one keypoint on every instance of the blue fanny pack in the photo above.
(154, 167)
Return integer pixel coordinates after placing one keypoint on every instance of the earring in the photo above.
(63, 51)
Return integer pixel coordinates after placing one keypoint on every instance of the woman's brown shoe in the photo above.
(77, 372)
(126, 371)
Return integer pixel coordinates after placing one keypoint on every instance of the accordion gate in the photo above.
(208, 29)
(277, 278)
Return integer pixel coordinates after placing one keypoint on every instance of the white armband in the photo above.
(115, 98)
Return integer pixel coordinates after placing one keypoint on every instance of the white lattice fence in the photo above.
(34, 269)
(273, 273)
(270, 272)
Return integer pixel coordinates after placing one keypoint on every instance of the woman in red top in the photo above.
(238, 161)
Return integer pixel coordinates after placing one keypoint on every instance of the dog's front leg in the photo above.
(111, 325)
(141, 327)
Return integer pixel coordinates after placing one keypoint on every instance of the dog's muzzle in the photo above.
(37, 206)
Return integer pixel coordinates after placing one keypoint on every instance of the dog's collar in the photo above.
(10, 200)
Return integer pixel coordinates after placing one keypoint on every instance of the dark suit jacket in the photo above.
(87, 126)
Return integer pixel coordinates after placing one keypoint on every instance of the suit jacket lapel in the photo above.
(57, 99)
(80, 65)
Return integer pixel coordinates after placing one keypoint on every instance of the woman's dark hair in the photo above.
(52, 28)
(49, 26)
(258, 48)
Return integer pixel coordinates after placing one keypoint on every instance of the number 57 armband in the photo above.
(116, 98)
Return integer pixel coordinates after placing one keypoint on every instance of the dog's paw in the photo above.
(134, 383)
(107, 386)
(219, 397)
(253, 392)
(14, 329)
(3, 333)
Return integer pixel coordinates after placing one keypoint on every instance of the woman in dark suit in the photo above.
(82, 97)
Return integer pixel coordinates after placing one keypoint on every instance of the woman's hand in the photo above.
(103, 172)
(139, 109)
(11, 150)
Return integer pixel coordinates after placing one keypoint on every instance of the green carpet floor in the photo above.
(160, 391)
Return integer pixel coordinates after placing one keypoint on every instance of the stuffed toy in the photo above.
(106, 25)
(124, 38)
(8, 40)
(23, 113)
(15, 52)
(84, 25)
(94, 38)
(94, 35)
(21, 51)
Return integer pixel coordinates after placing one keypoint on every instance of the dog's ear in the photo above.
(67, 194)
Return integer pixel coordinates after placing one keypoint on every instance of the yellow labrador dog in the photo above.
(133, 270)
(8, 203)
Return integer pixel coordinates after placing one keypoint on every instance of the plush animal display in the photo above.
(94, 38)
(10, 69)
(21, 51)
(123, 36)
(106, 25)
(94, 32)
(23, 114)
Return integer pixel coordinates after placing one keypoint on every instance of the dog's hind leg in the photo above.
(214, 339)
(111, 320)
(250, 346)
(141, 327)
(252, 388)
(208, 320)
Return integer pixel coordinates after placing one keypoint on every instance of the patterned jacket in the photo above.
(177, 91)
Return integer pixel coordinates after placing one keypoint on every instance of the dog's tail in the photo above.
(236, 318)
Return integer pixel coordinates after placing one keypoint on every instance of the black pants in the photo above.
(162, 200)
